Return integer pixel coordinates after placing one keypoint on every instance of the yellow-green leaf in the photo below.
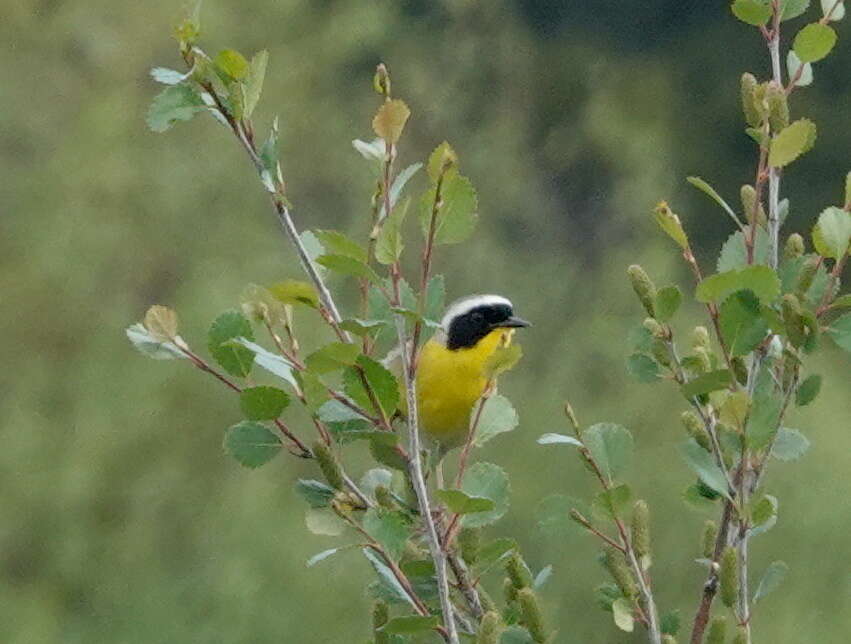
(232, 64)
(389, 121)
(814, 42)
(670, 223)
(792, 142)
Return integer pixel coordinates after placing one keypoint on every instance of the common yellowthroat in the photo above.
(450, 371)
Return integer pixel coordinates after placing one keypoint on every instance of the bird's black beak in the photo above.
(514, 323)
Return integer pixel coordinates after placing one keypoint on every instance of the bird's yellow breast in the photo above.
(450, 382)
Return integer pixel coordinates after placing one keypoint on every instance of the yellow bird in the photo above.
(450, 371)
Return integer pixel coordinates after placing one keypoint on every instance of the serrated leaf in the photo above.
(832, 233)
(386, 577)
(789, 445)
(840, 331)
(410, 624)
(316, 493)
(336, 243)
(457, 213)
(763, 419)
(793, 8)
(461, 503)
(609, 504)
(792, 142)
(389, 121)
(149, 346)
(324, 523)
(273, 363)
(441, 158)
(553, 439)
(498, 416)
(643, 368)
(707, 383)
(611, 447)
(331, 357)
(771, 579)
(761, 280)
(702, 463)
(833, 10)
(254, 81)
(362, 328)
(389, 244)
(742, 326)
(734, 252)
(793, 65)
(168, 76)
(622, 614)
(389, 528)
(252, 444)
(808, 390)
(175, 103)
(231, 64)
(263, 403)
(668, 301)
(491, 482)
(640, 339)
(234, 359)
(383, 383)
(435, 298)
(295, 292)
(752, 12)
(814, 42)
(348, 266)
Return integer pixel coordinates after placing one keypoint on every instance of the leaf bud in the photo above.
(794, 247)
(328, 464)
(748, 87)
(641, 529)
(694, 427)
(656, 329)
(740, 369)
(381, 80)
(518, 571)
(571, 416)
(778, 106)
(808, 274)
(717, 631)
(469, 540)
(700, 338)
(532, 614)
(489, 628)
(380, 616)
(729, 577)
(710, 534)
(615, 563)
(644, 288)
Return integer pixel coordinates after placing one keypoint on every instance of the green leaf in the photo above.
(843, 302)
(814, 42)
(231, 64)
(670, 623)
(316, 493)
(840, 331)
(762, 280)
(640, 339)
(668, 300)
(498, 416)
(175, 103)
(347, 266)
(742, 326)
(398, 185)
(707, 383)
(552, 515)
(362, 328)
(643, 368)
(695, 498)
(312, 245)
(296, 292)
(491, 482)
(383, 384)
(336, 243)
(702, 463)
(457, 215)
(763, 419)
(753, 12)
(542, 577)
(386, 577)
(389, 245)
(771, 579)
(611, 446)
(622, 614)
(236, 360)
(254, 81)
(410, 624)
(263, 403)
(832, 233)
(763, 514)
(808, 390)
(833, 10)
(670, 223)
(793, 8)
(494, 551)
(271, 362)
(515, 635)
(734, 252)
(789, 445)
(324, 522)
(461, 503)
(793, 64)
(435, 298)
(331, 357)
(168, 76)
(252, 444)
(389, 528)
(553, 439)
(609, 504)
(442, 158)
(151, 347)
(792, 142)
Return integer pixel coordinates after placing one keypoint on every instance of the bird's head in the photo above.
(471, 318)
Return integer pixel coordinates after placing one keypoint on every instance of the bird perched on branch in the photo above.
(459, 362)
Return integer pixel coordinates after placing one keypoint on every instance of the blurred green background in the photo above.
(121, 520)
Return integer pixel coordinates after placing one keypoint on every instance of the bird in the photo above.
(450, 371)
